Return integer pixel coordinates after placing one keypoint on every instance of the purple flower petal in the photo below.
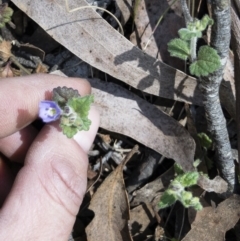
(49, 111)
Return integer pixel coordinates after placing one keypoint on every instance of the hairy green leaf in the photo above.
(207, 62)
(205, 140)
(186, 34)
(75, 115)
(204, 22)
(196, 163)
(69, 131)
(167, 199)
(200, 25)
(195, 203)
(178, 169)
(81, 105)
(188, 179)
(179, 48)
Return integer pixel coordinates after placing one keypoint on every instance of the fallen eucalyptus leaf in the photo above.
(123, 112)
(92, 39)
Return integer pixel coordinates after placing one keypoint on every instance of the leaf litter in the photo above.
(110, 206)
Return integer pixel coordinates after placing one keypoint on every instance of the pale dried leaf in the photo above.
(92, 39)
(123, 112)
(123, 8)
(215, 223)
(217, 184)
(110, 205)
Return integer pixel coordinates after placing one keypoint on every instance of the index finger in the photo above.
(20, 97)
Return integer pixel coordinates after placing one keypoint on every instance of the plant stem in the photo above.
(193, 49)
(220, 40)
(186, 13)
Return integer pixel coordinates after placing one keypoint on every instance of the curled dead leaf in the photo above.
(5, 50)
(6, 71)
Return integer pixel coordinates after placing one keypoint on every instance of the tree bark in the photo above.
(220, 40)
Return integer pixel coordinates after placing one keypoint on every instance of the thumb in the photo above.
(49, 189)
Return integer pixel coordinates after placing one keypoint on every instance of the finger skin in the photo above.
(6, 180)
(48, 190)
(22, 95)
(14, 146)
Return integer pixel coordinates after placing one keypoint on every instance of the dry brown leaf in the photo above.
(110, 205)
(6, 71)
(5, 50)
(92, 39)
(142, 217)
(215, 223)
(148, 192)
(217, 184)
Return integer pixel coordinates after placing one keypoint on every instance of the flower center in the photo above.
(51, 111)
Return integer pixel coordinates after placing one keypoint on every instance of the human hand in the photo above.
(46, 194)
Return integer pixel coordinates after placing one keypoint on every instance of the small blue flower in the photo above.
(49, 111)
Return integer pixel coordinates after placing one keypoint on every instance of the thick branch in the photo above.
(209, 86)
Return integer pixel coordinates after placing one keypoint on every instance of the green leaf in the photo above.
(179, 48)
(186, 34)
(186, 198)
(5, 14)
(167, 199)
(205, 140)
(200, 25)
(196, 163)
(207, 62)
(188, 179)
(195, 203)
(81, 105)
(178, 169)
(75, 116)
(69, 131)
(204, 22)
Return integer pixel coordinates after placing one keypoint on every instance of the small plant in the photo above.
(177, 190)
(207, 61)
(5, 14)
(70, 108)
